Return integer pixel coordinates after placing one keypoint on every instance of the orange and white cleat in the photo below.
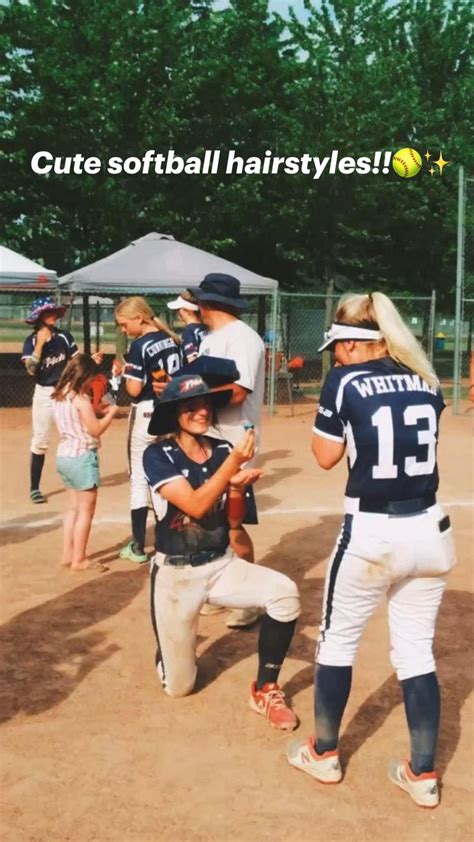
(325, 768)
(270, 702)
(423, 789)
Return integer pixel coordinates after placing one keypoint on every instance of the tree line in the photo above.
(120, 77)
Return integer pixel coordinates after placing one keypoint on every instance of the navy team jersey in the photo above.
(191, 338)
(54, 356)
(153, 351)
(388, 417)
(179, 534)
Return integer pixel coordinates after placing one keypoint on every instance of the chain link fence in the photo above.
(300, 325)
(303, 318)
(16, 386)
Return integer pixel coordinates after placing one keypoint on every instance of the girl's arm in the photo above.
(94, 426)
(196, 502)
(236, 503)
(327, 452)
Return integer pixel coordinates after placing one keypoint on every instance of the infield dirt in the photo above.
(93, 751)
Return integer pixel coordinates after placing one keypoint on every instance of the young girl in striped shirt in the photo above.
(77, 461)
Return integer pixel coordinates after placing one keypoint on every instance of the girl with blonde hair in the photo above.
(153, 358)
(382, 403)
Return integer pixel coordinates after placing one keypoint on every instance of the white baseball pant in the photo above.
(42, 417)
(178, 594)
(404, 557)
(138, 441)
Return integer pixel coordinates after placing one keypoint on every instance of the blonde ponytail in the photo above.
(136, 307)
(376, 310)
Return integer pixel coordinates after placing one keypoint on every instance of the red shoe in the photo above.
(270, 702)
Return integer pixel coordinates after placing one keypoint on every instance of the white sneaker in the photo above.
(240, 617)
(326, 767)
(208, 609)
(423, 789)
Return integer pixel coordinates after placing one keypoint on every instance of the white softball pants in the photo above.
(405, 558)
(178, 594)
(138, 441)
(42, 417)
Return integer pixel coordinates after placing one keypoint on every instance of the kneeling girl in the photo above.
(198, 487)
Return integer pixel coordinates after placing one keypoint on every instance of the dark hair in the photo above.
(78, 370)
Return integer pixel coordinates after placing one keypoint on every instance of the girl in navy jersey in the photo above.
(194, 330)
(153, 358)
(381, 405)
(46, 352)
(198, 488)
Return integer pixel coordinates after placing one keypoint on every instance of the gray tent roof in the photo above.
(158, 263)
(18, 272)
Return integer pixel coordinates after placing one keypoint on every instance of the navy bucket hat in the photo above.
(182, 389)
(220, 289)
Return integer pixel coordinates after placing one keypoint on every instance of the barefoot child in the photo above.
(77, 462)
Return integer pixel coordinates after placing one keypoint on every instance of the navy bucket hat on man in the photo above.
(46, 304)
(220, 289)
(182, 389)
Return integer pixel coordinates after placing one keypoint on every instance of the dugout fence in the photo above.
(292, 332)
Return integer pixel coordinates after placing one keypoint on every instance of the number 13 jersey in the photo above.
(388, 417)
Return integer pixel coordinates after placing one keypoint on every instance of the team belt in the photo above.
(193, 559)
(411, 506)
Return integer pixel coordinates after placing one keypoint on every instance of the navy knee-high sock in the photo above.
(273, 644)
(332, 688)
(36, 469)
(139, 528)
(422, 708)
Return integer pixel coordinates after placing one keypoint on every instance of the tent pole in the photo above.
(86, 318)
(271, 394)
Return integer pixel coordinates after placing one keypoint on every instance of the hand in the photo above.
(98, 357)
(109, 410)
(159, 386)
(244, 450)
(43, 335)
(247, 476)
(117, 366)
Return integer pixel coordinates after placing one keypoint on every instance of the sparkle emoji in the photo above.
(441, 163)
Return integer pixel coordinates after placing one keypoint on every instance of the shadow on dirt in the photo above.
(47, 651)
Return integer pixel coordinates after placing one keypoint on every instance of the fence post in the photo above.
(431, 327)
(459, 289)
(326, 357)
(86, 317)
(274, 323)
(97, 326)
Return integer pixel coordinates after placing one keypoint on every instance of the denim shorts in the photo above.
(79, 472)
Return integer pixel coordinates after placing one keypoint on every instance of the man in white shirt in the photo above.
(229, 337)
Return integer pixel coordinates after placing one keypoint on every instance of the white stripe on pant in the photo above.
(138, 441)
(404, 557)
(178, 594)
(42, 417)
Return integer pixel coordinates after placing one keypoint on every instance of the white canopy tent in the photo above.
(157, 263)
(20, 273)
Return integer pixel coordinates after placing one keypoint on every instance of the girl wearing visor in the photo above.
(198, 491)
(194, 330)
(381, 404)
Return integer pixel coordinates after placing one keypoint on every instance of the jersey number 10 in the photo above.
(383, 421)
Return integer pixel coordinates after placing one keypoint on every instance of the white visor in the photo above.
(181, 304)
(339, 333)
